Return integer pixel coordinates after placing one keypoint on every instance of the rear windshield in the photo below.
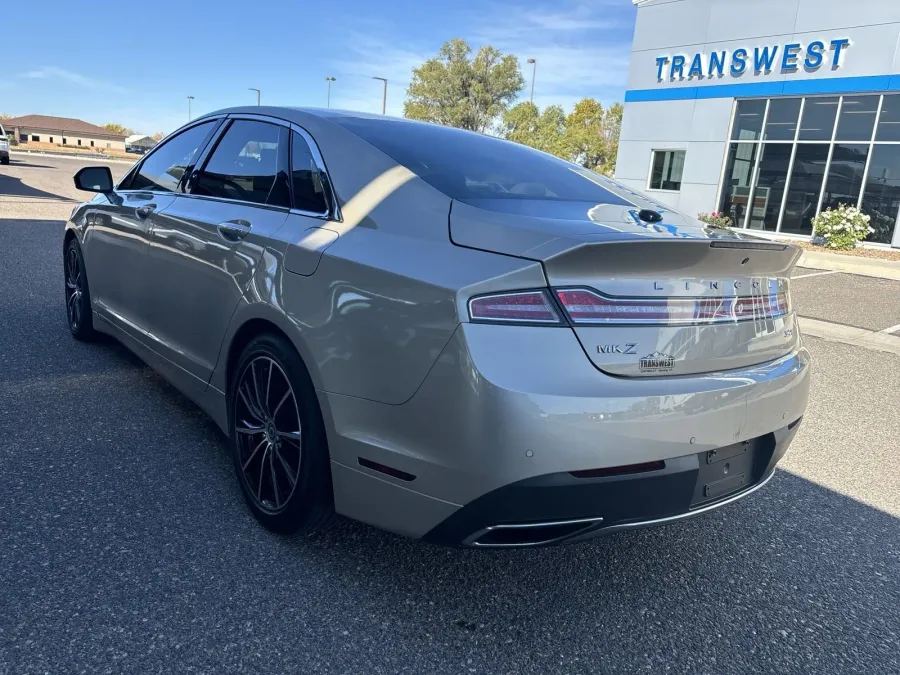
(468, 167)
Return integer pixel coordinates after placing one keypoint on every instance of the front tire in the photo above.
(78, 296)
(278, 439)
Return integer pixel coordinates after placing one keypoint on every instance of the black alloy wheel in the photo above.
(278, 438)
(78, 299)
(268, 433)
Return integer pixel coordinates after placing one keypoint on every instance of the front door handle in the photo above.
(144, 211)
(234, 230)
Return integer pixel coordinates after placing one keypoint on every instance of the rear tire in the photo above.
(278, 440)
(4, 160)
(78, 296)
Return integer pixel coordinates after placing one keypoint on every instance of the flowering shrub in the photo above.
(715, 219)
(841, 228)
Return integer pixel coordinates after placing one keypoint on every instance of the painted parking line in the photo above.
(891, 330)
(816, 274)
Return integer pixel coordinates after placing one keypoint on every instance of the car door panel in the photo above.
(196, 275)
(118, 227)
(205, 247)
(116, 235)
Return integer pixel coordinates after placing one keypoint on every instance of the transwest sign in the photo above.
(788, 58)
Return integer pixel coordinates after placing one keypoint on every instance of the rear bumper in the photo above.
(506, 413)
(562, 508)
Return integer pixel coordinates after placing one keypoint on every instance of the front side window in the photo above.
(667, 169)
(306, 178)
(162, 171)
(245, 165)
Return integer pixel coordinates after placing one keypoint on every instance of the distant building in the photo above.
(139, 143)
(62, 131)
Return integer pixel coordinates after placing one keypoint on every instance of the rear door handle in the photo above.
(144, 211)
(234, 230)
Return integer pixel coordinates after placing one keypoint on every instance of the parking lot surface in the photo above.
(125, 545)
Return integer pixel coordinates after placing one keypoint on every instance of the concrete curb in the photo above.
(867, 267)
(850, 335)
(65, 155)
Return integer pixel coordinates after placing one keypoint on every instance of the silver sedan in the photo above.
(441, 333)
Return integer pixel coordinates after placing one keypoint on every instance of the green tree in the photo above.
(589, 135)
(542, 130)
(459, 90)
(114, 128)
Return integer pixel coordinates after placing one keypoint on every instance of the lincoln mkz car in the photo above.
(440, 333)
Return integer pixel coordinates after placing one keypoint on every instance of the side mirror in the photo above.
(94, 179)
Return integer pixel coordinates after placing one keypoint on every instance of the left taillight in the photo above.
(518, 307)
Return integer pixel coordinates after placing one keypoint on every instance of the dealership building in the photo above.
(767, 110)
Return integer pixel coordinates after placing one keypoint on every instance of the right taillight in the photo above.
(519, 307)
(587, 307)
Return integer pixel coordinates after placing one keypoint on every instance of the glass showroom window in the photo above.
(790, 158)
(666, 170)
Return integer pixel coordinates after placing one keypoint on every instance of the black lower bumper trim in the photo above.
(684, 485)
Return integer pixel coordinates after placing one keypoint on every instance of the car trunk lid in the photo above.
(647, 299)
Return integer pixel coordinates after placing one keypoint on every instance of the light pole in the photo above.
(383, 94)
(257, 93)
(533, 71)
(329, 79)
(189, 98)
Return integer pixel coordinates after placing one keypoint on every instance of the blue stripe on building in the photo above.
(834, 85)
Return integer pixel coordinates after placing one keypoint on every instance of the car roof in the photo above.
(302, 116)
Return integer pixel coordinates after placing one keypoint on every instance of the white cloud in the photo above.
(55, 73)
(581, 49)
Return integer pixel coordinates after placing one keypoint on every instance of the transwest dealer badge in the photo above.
(657, 362)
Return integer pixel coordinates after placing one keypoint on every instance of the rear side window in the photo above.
(468, 167)
(162, 171)
(246, 165)
(306, 178)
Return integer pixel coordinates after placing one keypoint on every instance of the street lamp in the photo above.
(257, 93)
(383, 94)
(533, 71)
(189, 98)
(329, 79)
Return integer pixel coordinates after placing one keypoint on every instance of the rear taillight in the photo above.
(520, 307)
(584, 306)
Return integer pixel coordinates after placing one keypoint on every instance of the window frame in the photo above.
(332, 211)
(832, 141)
(124, 185)
(653, 152)
(208, 151)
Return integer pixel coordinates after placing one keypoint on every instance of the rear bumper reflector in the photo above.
(619, 470)
(388, 470)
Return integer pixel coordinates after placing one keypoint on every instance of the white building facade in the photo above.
(767, 110)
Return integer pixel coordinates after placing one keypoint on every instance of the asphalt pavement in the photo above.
(125, 545)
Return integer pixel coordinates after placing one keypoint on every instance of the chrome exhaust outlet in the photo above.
(521, 535)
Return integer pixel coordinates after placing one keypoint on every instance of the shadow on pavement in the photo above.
(13, 186)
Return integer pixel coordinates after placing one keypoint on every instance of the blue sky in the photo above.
(134, 63)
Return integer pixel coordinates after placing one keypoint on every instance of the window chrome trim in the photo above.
(226, 200)
(334, 210)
